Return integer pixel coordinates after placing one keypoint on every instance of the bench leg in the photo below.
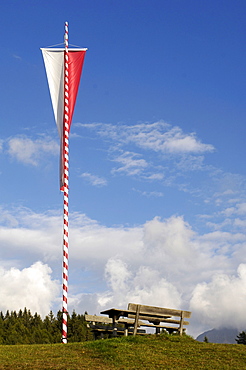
(136, 319)
(181, 323)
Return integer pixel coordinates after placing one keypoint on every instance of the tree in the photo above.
(77, 329)
(24, 328)
(27, 318)
(50, 324)
(241, 338)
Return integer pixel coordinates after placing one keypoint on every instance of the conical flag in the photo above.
(54, 64)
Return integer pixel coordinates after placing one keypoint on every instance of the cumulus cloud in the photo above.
(31, 287)
(220, 302)
(29, 151)
(145, 286)
(162, 262)
(93, 179)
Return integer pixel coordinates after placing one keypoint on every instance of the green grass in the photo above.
(150, 352)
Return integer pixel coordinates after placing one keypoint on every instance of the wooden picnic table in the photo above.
(116, 313)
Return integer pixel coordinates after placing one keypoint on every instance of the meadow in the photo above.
(140, 352)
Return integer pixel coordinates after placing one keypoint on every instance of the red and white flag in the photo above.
(54, 60)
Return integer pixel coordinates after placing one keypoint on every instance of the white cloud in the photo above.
(240, 223)
(220, 302)
(93, 179)
(145, 286)
(241, 209)
(155, 176)
(132, 165)
(29, 151)
(162, 137)
(149, 194)
(162, 262)
(117, 274)
(158, 136)
(155, 152)
(31, 233)
(32, 287)
(190, 162)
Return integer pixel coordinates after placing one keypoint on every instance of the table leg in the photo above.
(157, 330)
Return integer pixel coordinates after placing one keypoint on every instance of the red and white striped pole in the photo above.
(65, 189)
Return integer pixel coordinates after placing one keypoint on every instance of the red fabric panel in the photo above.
(75, 64)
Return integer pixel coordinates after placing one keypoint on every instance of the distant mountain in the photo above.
(224, 335)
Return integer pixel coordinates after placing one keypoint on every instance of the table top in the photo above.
(111, 312)
(116, 313)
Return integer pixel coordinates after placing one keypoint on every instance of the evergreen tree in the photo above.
(52, 327)
(7, 315)
(77, 330)
(36, 321)
(241, 338)
(24, 328)
(27, 318)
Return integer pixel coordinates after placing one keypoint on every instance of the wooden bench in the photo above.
(105, 325)
(156, 316)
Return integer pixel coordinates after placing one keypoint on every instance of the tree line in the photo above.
(25, 328)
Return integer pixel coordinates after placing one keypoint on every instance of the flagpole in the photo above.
(65, 188)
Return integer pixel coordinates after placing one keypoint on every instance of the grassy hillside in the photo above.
(150, 352)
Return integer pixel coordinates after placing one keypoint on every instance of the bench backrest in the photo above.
(151, 310)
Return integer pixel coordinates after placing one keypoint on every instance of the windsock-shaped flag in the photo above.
(63, 69)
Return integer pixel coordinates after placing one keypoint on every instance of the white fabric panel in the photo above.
(54, 65)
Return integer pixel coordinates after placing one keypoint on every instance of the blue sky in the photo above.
(157, 148)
